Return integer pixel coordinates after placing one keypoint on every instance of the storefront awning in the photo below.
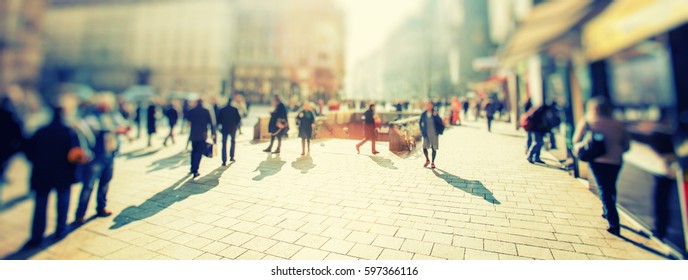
(546, 23)
(626, 22)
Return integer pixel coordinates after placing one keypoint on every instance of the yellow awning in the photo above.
(545, 23)
(626, 22)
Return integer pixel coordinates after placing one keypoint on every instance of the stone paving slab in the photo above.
(484, 201)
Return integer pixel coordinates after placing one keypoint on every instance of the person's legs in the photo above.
(529, 142)
(606, 176)
(308, 142)
(63, 195)
(552, 140)
(434, 155)
(88, 180)
(103, 186)
(233, 144)
(279, 143)
(269, 148)
(536, 147)
(372, 141)
(425, 152)
(303, 146)
(197, 148)
(39, 216)
(489, 124)
(224, 148)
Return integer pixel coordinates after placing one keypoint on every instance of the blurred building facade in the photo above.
(21, 30)
(293, 48)
(171, 45)
(432, 54)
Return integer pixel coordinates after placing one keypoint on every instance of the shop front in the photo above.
(637, 54)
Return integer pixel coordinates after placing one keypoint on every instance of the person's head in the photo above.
(276, 100)
(429, 106)
(598, 106)
(104, 102)
(307, 106)
(371, 107)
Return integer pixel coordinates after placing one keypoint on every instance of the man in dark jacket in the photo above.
(49, 151)
(200, 119)
(369, 129)
(278, 124)
(228, 120)
(11, 140)
(151, 121)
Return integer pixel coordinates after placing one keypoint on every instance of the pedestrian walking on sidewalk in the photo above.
(431, 127)
(306, 122)
(538, 125)
(228, 121)
(369, 128)
(278, 125)
(605, 168)
(49, 151)
(172, 116)
(490, 109)
(201, 120)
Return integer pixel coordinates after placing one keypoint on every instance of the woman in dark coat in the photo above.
(150, 117)
(278, 125)
(306, 121)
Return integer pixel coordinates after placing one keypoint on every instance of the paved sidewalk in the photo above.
(483, 202)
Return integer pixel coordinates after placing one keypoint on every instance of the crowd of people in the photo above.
(83, 137)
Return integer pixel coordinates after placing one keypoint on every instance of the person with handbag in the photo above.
(431, 127)
(278, 125)
(201, 120)
(601, 141)
(370, 129)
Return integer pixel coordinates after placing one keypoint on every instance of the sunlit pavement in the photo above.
(484, 201)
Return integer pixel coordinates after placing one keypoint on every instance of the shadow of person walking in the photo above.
(473, 187)
(171, 162)
(383, 162)
(270, 166)
(177, 192)
(304, 164)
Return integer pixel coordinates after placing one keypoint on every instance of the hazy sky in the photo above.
(369, 23)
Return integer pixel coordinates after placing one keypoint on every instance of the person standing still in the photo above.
(605, 168)
(228, 120)
(369, 129)
(306, 122)
(172, 116)
(201, 120)
(278, 116)
(49, 150)
(150, 121)
(431, 127)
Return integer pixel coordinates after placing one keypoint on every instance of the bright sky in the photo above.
(369, 23)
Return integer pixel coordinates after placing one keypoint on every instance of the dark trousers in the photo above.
(606, 176)
(536, 145)
(663, 187)
(232, 143)
(279, 142)
(489, 124)
(102, 171)
(552, 140)
(197, 149)
(41, 209)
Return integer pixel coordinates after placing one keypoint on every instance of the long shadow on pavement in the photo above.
(179, 191)
(171, 162)
(383, 162)
(473, 187)
(270, 166)
(304, 163)
(139, 153)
